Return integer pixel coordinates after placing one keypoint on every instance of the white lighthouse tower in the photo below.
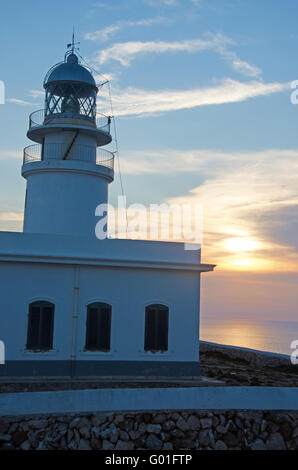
(73, 305)
(67, 171)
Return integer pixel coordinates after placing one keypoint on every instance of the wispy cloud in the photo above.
(104, 34)
(35, 94)
(249, 199)
(19, 102)
(133, 101)
(126, 52)
(7, 154)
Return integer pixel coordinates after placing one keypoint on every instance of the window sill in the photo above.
(84, 353)
(32, 352)
(155, 354)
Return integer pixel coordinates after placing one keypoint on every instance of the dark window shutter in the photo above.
(47, 328)
(33, 327)
(92, 328)
(40, 326)
(156, 328)
(104, 329)
(98, 331)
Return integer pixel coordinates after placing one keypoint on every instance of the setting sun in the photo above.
(241, 244)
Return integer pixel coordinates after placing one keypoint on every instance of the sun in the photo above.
(240, 244)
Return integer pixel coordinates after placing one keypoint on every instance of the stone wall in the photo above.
(191, 430)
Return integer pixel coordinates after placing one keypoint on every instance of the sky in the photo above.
(201, 93)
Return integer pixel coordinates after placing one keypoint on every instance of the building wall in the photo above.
(128, 290)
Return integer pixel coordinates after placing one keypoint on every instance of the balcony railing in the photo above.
(38, 118)
(79, 152)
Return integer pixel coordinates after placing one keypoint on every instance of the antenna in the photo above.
(73, 44)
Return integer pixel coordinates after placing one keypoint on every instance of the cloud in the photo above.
(239, 65)
(134, 101)
(104, 34)
(36, 93)
(19, 102)
(125, 52)
(7, 154)
(249, 199)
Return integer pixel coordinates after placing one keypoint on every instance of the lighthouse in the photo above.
(67, 169)
(74, 306)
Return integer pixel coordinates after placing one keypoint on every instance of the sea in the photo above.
(263, 335)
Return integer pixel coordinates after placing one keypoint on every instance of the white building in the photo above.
(73, 305)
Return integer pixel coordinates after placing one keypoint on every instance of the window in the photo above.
(156, 328)
(98, 331)
(40, 326)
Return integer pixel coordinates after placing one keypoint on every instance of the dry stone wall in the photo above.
(191, 430)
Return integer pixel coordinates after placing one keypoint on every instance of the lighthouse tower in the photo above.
(67, 170)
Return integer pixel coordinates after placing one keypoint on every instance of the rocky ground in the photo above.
(236, 371)
(192, 430)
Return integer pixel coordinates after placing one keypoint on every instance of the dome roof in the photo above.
(70, 70)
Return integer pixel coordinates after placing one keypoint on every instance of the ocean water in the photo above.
(274, 336)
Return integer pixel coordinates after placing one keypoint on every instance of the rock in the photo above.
(142, 428)
(204, 437)
(124, 445)
(220, 445)
(107, 445)
(85, 432)
(84, 445)
(19, 437)
(286, 430)
(168, 425)
(69, 435)
(159, 419)
(38, 423)
(114, 436)
(152, 442)
(182, 424)
(206, 423)
(153, 428)
(177, 434)
(79, 423)
(134, 435)
(258, 444)
(231, 440)
(193, 423)
(96, 443)
(272, 427)
(118, 419)
(4, 427)
(221, 429)
(99, 420)
(5, 437)
(168, 446)
(25, 445)
(124, 436)
(275, 442)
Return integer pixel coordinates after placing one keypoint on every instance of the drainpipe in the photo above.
(75, 316)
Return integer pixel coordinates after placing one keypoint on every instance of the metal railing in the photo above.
(79, 152)
(38, 118)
